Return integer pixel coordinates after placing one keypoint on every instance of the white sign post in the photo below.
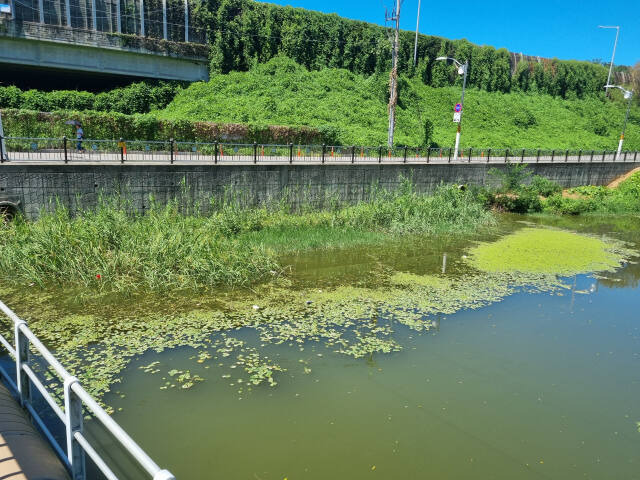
(3, 148)
(456, 117)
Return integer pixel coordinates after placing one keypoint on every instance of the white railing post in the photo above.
(164, 475)
(67, 12)
(142, 18)
(73, 424)
(94, 16)
(118, 17)
(22, 357)
(186, 21)
(41, 11)
(164, 19)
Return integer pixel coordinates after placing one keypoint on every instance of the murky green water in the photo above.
(538, 385)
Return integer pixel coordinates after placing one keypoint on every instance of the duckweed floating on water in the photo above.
(351, 320)
(548, 251)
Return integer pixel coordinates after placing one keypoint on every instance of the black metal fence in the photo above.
(70, 150)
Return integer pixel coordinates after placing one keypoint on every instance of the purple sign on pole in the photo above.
(458, 107)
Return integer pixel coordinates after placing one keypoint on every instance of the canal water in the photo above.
(536, 386)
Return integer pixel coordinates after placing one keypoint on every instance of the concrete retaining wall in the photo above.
(37, 186)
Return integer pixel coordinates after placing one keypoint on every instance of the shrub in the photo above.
(569, 206)
(512, 176)
(10, 97)
(523, 118)
(543, 186)
(524, 202)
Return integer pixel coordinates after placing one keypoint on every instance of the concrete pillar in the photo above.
(41, 10)
(164, 19)
(142, 17)
(118, 19)
(186, 21)
(94, 16)
(67, 12)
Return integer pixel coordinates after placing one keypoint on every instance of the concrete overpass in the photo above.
(107, 48)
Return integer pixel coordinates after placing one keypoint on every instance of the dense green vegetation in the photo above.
(353, 108)
(148, 127)
(244, 33)
(521, 194)
(111, 248)
(138, 97)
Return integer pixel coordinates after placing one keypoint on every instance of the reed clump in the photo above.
(115, 248)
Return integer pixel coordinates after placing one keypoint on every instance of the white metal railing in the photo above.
(76, 399)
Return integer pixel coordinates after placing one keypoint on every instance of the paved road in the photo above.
(188, 158)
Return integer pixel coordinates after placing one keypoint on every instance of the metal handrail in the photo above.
(76, 398)
(62, 148)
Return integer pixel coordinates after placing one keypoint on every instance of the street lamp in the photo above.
(463, 68)
(614, 50)
(628, 95)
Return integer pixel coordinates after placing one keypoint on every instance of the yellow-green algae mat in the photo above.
(350, 319)
(548, 251)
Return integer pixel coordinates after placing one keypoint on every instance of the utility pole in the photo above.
(393, 82)
(614, 53)
(415, 47)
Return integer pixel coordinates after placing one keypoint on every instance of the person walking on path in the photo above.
(79, 137)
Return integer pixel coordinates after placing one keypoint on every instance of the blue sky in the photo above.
(563, 29)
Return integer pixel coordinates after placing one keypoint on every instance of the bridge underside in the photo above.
(57, 59)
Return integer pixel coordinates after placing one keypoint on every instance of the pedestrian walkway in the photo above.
(24, 455)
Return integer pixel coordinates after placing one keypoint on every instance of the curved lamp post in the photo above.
(462, 70)
(628, 94)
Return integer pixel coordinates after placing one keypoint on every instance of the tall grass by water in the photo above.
(110, 247)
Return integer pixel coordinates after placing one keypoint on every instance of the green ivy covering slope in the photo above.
(353, 109)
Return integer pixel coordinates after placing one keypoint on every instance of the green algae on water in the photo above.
(548, 251)
(358, 321)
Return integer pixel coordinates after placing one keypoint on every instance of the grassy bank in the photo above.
(354, 108)
(113, 249)
(521, 194)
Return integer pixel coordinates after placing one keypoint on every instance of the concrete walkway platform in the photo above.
(24, 454)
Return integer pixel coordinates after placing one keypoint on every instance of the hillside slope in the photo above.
(353, 108)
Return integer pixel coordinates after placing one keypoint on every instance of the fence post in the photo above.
(522, 157)
(625, 156)
(1, 148)
(353, 154)
(553, 154)
(64, 144)
(579, 155)
(538, 156)
(428, 154)
(255, 152)
(215, 153)
(566, 156)
(488, 155)
(635, 156)
(380, 154)
(73, 412)
(506, 156)
(121, 143)
(604, 152)
(591, 158)
(290, 153)
(449, 161)
(324, 149)
(171, 147)
(469, 157)
(22, 357)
